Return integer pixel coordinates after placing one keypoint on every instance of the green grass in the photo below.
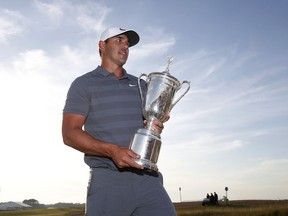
(45, 212)
(233, 208)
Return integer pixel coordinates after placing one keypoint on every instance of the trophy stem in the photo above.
(150, 123)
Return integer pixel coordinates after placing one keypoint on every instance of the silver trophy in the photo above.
(159, 100)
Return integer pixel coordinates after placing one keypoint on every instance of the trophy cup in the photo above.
(159, 100)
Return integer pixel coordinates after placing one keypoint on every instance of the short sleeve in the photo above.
(78, 97)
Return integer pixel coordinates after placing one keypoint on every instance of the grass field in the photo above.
(233, 208)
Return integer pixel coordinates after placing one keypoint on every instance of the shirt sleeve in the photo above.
(78, 97)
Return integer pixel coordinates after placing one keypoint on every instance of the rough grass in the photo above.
(235, 208)
(45, 212)
(232, 208)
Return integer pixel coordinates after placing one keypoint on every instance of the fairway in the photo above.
(45, 212)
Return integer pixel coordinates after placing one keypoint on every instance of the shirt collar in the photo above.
(106, 73)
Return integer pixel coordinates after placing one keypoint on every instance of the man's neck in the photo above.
(115, 69)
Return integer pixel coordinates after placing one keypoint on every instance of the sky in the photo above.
(230, 129)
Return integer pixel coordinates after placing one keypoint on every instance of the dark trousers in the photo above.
(127, 193)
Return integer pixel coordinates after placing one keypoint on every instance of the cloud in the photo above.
(53, 11)
(59, 69)
(150, 55)
(31, 61)
(261, 172)
(146, 50)
(214, 67)
(154, 41)
(10, 24)
(206, 142)
(92, 16)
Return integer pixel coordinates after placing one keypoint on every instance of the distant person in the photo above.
(102, 112)
(216, 198)
(206, 200)
(212, 199)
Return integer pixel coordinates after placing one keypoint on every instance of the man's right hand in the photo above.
(123, 157)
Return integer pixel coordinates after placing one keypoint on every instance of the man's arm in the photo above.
(74, 136)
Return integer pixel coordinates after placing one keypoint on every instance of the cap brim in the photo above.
(133, 37)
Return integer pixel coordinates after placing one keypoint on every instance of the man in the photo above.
(106, 102)
(216, 198)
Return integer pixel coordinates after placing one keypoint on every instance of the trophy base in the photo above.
(147, 144)
(147, 164)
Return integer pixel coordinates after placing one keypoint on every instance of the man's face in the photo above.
(116, 49)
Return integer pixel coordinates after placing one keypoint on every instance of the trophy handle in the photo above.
(176, 101)
(139, 86)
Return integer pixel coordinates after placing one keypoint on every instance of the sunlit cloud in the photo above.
(265, 169)
(215, 67)
(10, 24)
(92, 16)
(53, 10)
(148, 49)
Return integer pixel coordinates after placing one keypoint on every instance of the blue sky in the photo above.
(231, 129)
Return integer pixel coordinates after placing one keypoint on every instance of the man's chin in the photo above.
(122, 62)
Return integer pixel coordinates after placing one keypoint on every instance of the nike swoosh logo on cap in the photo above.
(132, 85)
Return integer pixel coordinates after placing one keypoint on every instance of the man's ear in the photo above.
(101, 45)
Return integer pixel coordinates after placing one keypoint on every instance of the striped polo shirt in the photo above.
(112, 108)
